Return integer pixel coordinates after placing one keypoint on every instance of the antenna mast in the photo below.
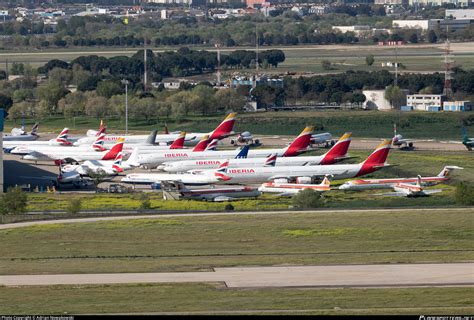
(448, 64)
(256, 52)
(144, 64)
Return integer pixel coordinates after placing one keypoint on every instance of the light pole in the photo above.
(125, 82)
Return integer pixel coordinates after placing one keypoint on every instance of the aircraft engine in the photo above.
(303, 180)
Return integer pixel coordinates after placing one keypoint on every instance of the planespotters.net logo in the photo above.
(446, 317)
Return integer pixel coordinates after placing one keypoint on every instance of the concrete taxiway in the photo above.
(386, 275)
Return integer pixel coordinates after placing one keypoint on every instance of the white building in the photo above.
(375, 100)
(459, 14)
(411, 24)
(318, 10)
(433, 24)
(397, 2)
(426, 102)
(462, 3)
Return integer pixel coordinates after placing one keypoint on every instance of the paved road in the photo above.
(166, 216)
(396, 275)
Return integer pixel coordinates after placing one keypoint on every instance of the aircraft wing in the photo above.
(223, 198)
(290, 176)
(391, 194)
(432, 191)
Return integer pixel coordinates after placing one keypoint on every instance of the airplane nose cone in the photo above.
(343, 187)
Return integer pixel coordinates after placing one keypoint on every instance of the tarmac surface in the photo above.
(386, 275)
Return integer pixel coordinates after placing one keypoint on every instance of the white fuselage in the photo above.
(73, 154)
(199, 164)
(191, 139)
(368, 184)
(95, 166)
(157, 158)
(20, 138)
(251, 174)
(31, 144)
(186, 178)
(289, 188)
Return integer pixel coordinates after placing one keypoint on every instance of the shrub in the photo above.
(14, 201)
(229, 207)
(307, 198)
(74, 206)
(326, 64)
(464, 193)
(145, 203)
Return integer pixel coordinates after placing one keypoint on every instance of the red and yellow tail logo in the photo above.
(118, 147)
(339, 150)
(377, 159)
(300, 144)
(225, 127)
(179, 142)
(202, 144)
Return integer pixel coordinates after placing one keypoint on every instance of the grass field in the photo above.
(375, 124)
(298, 58)
(201, 243)
(209, 299)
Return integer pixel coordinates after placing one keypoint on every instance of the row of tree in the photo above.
(183, 62)
(335, 87)
(201, 99)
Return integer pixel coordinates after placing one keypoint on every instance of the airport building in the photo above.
(461, 3)
(426, 102)
(458, 106)
(459, 14)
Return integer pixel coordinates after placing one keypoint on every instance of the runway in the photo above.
(386, 275)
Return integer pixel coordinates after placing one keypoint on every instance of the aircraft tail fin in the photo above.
(112, 153)
(150, 140)
(133, 159)
(338, 151)
(377, 159)
(326, 182)
(300, 144)
(271, 160)
(447, 170)
(212, 145)
(418, 181)
(179, 142)
(62, 137)
(379, 156)
(98, 144)
(202, 144)
(224, 129)
(34, 130)
(221, 172)
(243, 152)
(117, 165)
